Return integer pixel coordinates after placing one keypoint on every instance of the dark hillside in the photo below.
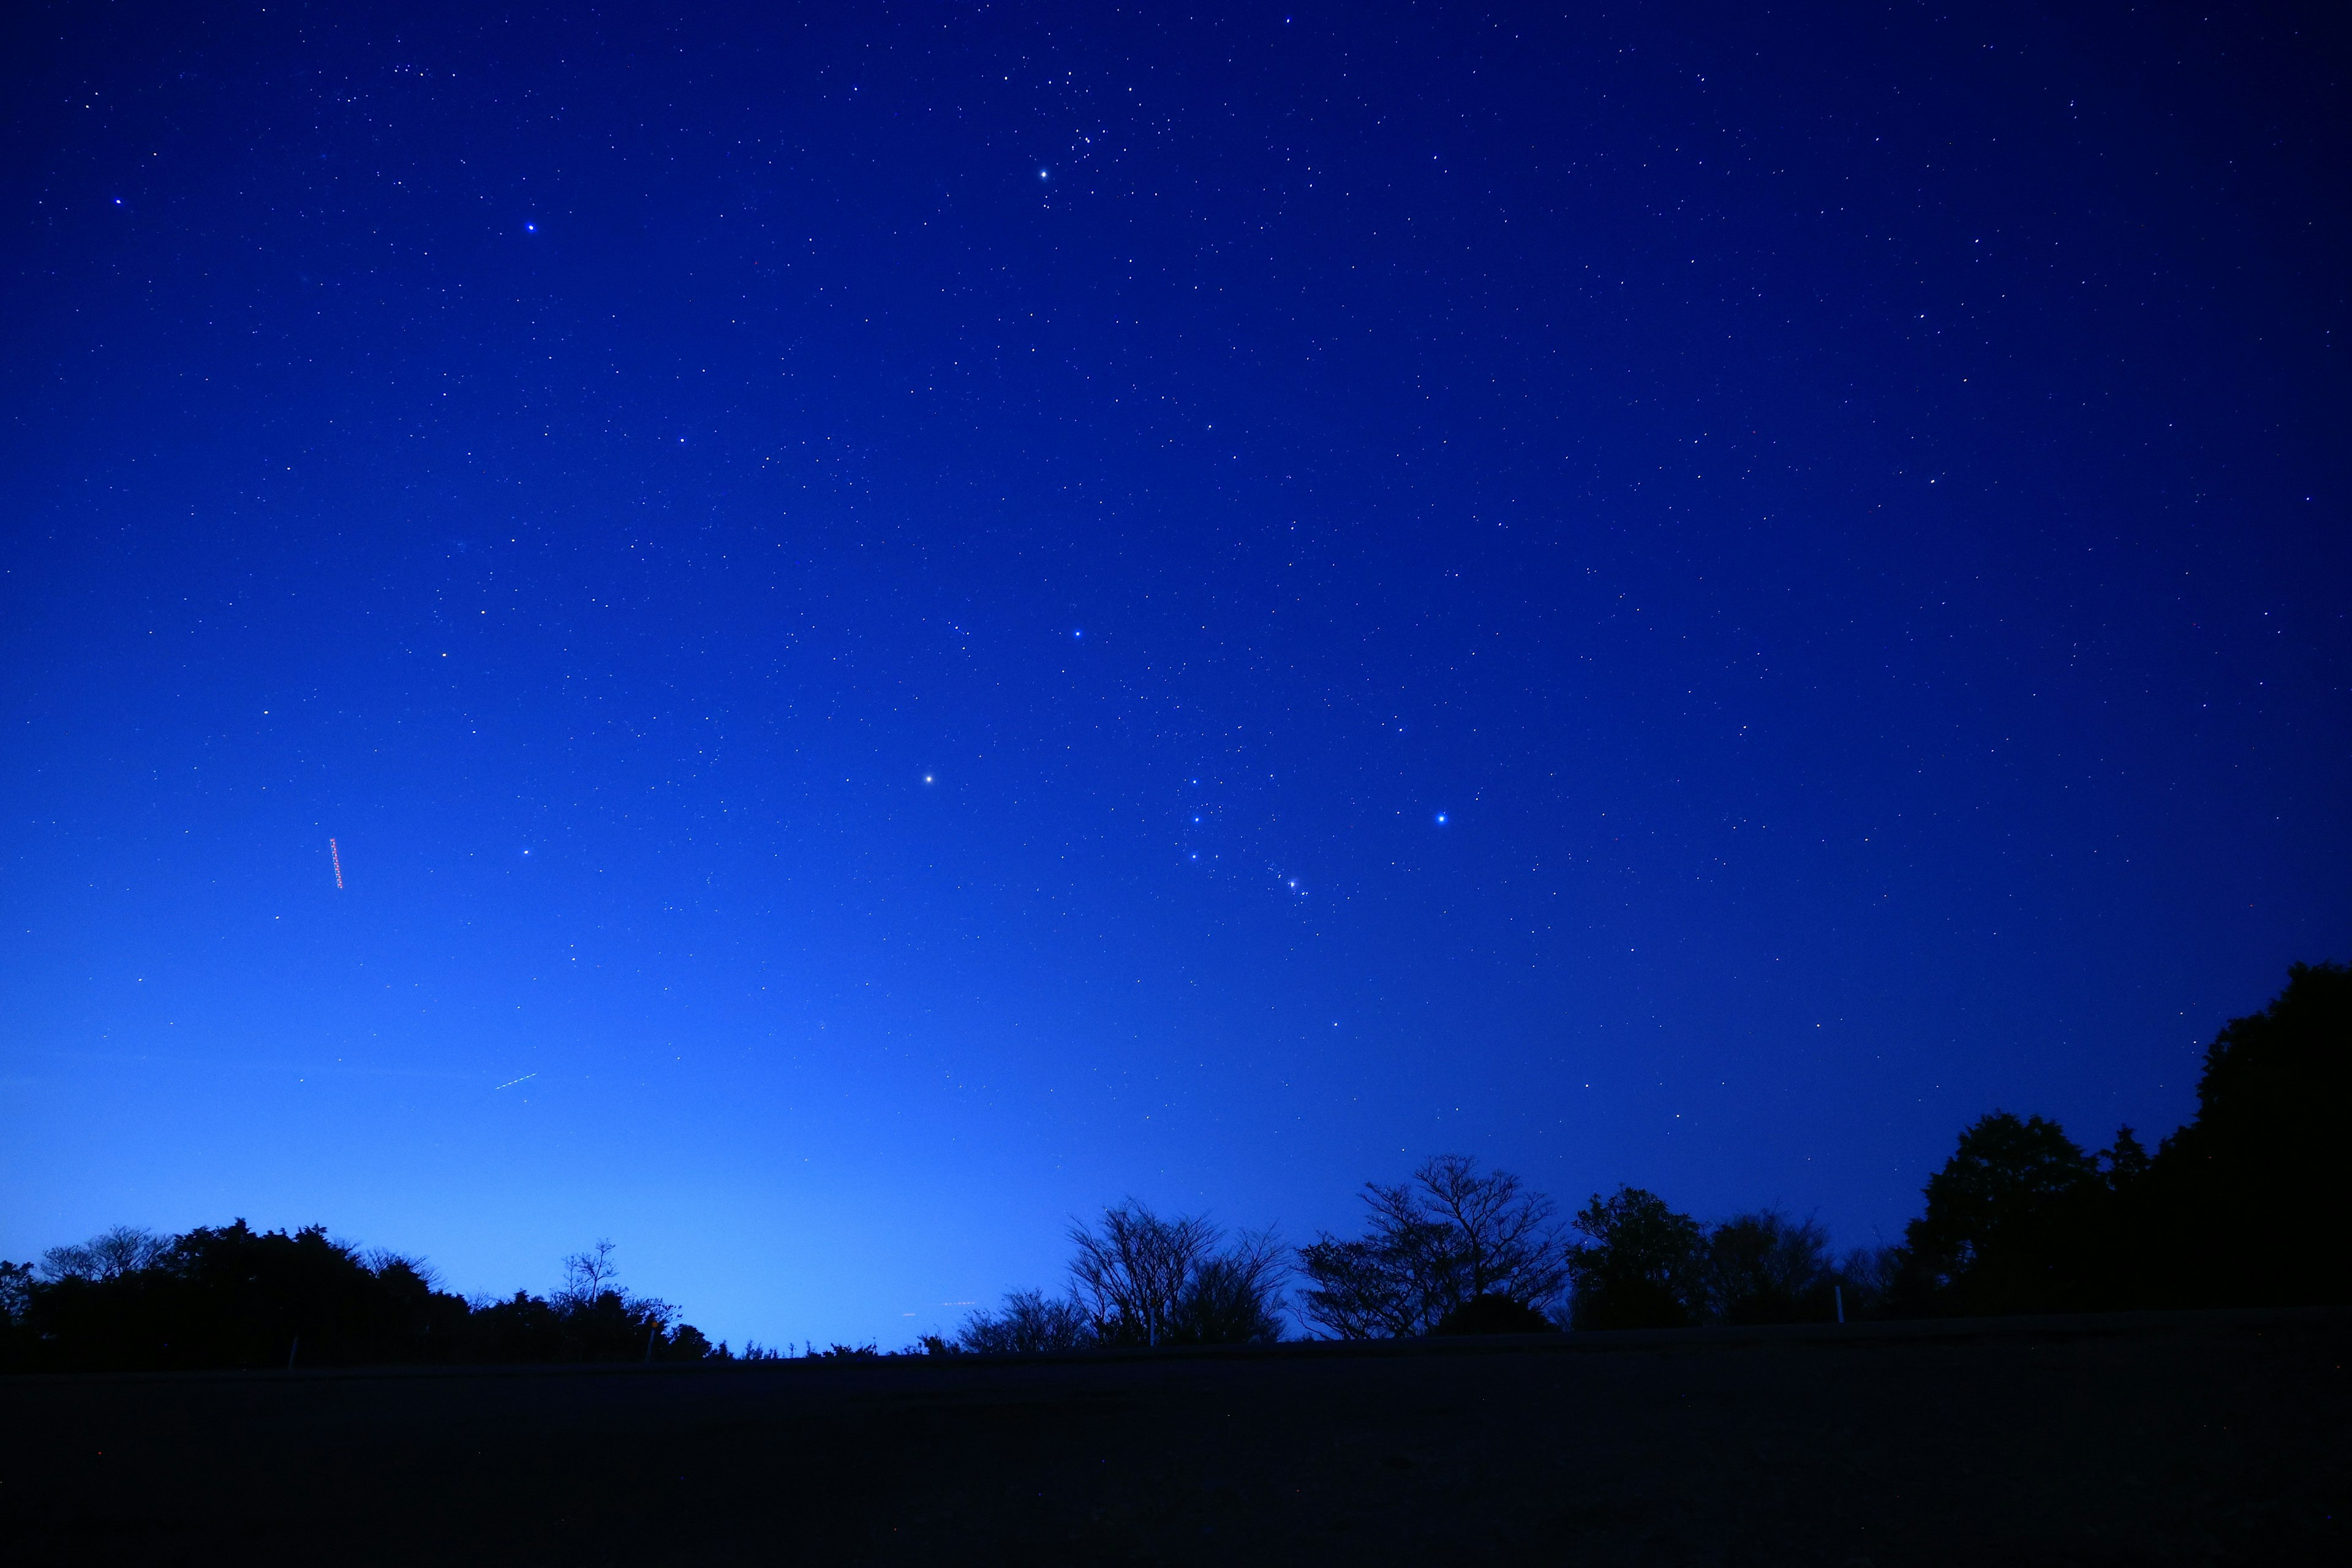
(2151, 1438)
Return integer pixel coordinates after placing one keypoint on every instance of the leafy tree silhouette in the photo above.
(2244, 1205)
(1995, 1236)
(1641, 1267)
(230, 1296)
(2022, 1219)
(1766, 1267)
(2255, 1189)
(16, 1341)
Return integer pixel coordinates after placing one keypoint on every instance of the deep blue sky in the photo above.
(911, 619)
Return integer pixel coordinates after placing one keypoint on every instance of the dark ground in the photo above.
(2139, 1438)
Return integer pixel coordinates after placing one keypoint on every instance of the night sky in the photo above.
(907, 620)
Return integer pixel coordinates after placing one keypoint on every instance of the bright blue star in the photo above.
(1441, 819)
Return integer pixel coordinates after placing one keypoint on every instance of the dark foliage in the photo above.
(234, 1297)
(1642, 1265)
(2005, 1219)
(1765, 1268)
(2246, 1205)
(2256, 1188)
(1493, 1314)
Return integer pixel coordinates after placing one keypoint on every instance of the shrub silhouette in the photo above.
(1495, 1314)
(1030, 1321)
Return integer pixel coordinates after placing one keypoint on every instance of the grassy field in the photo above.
(2138, 1438)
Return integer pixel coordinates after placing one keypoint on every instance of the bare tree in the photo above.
(1447, 1237)
(590, 1274)
(125, 1249)
(1145, 1281)
(1235, 1297)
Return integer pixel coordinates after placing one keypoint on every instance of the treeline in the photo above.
(230, 1296)
(1452, 1251)
(2245, 1205)
(2248, 1204)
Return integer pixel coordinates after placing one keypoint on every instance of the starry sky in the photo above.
(909, 619)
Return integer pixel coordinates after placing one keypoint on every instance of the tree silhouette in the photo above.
(1641, 1266)
(16, 1340)
(588, 1275)
(1145, 1281)
(125, 1249)
(2256, 1189)
(1234, 1297)
(1766, 1267)
(1993, 1236)
(2021, 1219)
(589, 1318)
(1449, 1235)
